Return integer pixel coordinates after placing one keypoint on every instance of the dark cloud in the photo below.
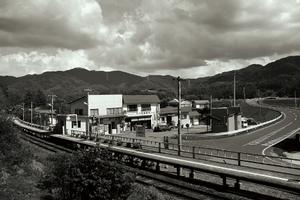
(52, 26)
(116, 11)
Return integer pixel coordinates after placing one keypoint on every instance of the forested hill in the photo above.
(278, 78)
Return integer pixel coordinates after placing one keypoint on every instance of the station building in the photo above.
(110, 114)
(200, 104)
(226, 119)
(100, 114)
(189, 116)
(141, 110)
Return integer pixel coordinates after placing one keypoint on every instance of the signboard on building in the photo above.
(140, 131)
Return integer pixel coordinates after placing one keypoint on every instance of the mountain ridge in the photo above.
(280, 78)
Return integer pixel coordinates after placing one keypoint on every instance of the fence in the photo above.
(46, 128)
(269, 163)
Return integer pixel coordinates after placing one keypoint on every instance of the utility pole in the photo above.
(295, 99)
(31, 109)
(179, 114)
(244, 92)
(88, 112)
(258, 94)
(23, 110)
(52, 102)
(234, 89)
(210, 113)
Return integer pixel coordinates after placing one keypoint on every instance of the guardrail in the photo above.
(224, 172)
(257, 161)
(46, 128)
(192, 171)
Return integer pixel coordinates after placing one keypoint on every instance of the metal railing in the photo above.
(269, 163)
(46, 128)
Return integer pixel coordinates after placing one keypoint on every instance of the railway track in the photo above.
(49, 146)
(182, 188)
(185, 188)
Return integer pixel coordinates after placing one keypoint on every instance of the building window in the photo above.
(94, 112)
(132, 108)
(163, 119)
(77, 125)
(146, 107)
(114, 111)
(78, 111)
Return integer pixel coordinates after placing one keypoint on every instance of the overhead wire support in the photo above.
(179, 114)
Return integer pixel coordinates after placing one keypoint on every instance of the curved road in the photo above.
(259, 141)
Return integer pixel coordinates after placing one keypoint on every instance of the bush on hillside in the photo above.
(89, 174)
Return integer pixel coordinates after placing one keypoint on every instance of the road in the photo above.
(259, 141)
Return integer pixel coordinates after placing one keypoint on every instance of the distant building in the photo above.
(169, 116)
(226, 119)
(200, 104)
(184, 103)
(141, 110)
(103, 114)
(45, 116)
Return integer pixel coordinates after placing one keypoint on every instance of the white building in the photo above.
(100, 114)
(189, 117)
(108, 104)
(111, 114)
(141, 110)
(200, 104)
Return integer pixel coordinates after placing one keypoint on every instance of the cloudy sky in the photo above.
(190, 38)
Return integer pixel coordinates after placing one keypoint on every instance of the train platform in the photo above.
(211, 164)
(28, 127)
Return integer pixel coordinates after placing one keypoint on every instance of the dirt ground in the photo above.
(158, 136)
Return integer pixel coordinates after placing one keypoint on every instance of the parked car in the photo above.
(161, 128)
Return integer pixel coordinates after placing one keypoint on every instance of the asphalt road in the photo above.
(260, 141)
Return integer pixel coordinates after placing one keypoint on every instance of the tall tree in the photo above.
(40, 98)
(28, 98)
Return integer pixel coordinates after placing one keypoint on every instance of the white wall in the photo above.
(69, 125)
(102, 102)
(195, 121)
(230, 123)
(238, 121)
(182, 121)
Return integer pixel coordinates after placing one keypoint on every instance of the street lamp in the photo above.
(52, 101)
(69, 118)
(23, 109)
(295, 99)
(31, 111)
(234, 88)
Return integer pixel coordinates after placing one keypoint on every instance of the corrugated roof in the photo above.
(73, 101)
(194, 114)
(201, 101)
(139, 99)
(173, 110)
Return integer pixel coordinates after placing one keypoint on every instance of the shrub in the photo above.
(105, 140)
(136, 145)
(83, 136)
(128, 144)
(112, 142)
(147, 193)
(89, 174)
(119, 142)
(92, 138)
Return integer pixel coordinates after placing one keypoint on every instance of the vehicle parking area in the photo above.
(159, 136)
